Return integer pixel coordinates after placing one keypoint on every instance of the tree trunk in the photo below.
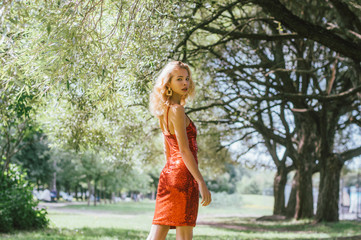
(102, 193)
(308, 138)
(95, 193)
(54, 177)
(328, 197)
(112, 197)
(90, 191)
(304, 195)
(81, 193)
(291, 204)
(7, 159)
(279, 184)
(76, 192)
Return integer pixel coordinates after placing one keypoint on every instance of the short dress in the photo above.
(177, 194)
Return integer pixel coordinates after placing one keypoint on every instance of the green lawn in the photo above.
(129, 220)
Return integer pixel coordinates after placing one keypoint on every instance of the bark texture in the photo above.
(291, 204)
(279, 184)
(328, 197)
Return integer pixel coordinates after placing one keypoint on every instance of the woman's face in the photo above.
(180, 81)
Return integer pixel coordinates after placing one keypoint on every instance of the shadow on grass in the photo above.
(340, 230)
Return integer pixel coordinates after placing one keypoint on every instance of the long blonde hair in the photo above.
(158, 98)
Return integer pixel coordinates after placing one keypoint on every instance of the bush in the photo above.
(223, 199)
(17, 205)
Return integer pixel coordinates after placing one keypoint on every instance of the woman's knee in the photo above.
(184, 233)
(158, 232)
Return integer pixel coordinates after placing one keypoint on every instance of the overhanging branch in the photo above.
(283, 96)
(310, 30)
(240, 35)
(206, 22)
(345, 156)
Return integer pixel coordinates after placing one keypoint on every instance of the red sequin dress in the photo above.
(177, 195)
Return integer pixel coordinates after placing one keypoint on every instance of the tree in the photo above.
(35, 159)
(80, 60)
(17, 121)
(279, 84)
(340, 32)
(84, 57)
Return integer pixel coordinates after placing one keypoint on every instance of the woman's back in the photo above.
(178, 194)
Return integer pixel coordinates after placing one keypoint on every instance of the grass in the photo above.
(233, 220)
(252, 205)
(146, 206)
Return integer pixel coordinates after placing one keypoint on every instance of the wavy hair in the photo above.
(158, 99)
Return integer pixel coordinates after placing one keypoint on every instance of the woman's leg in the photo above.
(184, 233)
(158, 232)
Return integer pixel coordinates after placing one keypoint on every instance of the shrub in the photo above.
(18, 209)
(223, 199)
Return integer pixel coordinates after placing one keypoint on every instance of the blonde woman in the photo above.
(180, 180)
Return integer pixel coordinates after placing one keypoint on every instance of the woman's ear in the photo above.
(168, 84)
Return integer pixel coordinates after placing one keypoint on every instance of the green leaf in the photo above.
(48, 28)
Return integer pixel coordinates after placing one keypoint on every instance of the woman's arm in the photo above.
(178, 119)
(166, 149)
(166, 146)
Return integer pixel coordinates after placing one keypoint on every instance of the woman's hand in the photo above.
(205, 194)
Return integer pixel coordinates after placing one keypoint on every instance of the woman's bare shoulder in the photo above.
(178, 110)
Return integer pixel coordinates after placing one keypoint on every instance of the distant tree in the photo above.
(35, 159)
(227, 181)
(67, 170)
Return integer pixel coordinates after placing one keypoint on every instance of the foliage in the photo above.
(227, 181)
(17, 120)
(221, 199)
(255, 182)
(351, 175)
(96, 167)
(18, 208)
(91, 63)
(214, 160)
(34, 157)
(251, 188)
(87, 68)
(67, 169)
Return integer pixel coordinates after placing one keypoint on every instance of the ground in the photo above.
(132, 220)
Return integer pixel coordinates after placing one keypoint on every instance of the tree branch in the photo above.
(347, 16)
(309, 30)
(206, 22)
(347, 155)
(282, 96)
(239, 35)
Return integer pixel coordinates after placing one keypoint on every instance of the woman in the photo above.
(180, 180)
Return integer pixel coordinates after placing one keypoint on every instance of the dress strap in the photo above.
(167, 120)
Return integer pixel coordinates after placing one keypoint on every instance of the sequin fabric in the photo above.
(177, 195)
